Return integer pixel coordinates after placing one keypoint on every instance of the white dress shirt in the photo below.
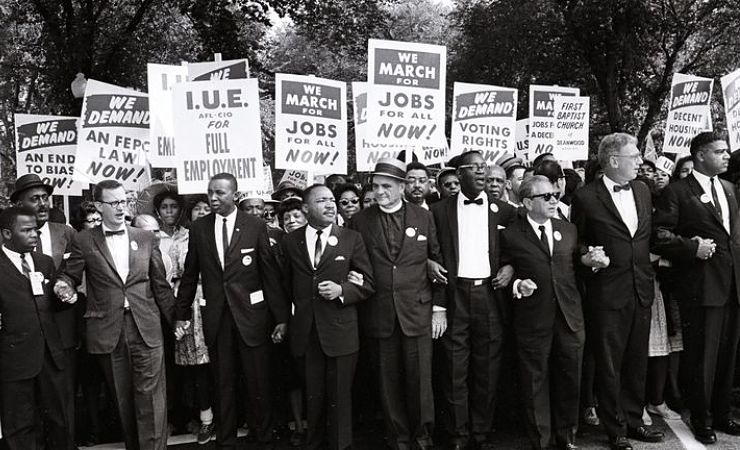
(706, 184)
(625, 203)
(472, 238)
(45, 237)
(218, 233)
(311, 241)
(118, 248)
(15, 258)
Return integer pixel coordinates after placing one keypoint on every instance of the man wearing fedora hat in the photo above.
(54, 240)
(400, 238)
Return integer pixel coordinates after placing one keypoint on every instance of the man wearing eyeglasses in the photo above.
(467, 230)
(127, 297)
(547, 314)
(54, 240)
(614, 218)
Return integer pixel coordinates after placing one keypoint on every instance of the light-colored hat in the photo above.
(392, 168)
(664, 164)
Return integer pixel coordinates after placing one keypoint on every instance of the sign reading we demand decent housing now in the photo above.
(688, 112)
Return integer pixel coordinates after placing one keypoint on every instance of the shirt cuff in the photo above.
(436, 308)
(341, 298)
(515, 288)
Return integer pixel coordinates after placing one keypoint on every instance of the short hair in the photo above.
(527, 187)
(592, 168)
(363, 193)
(612, 143)
(679, 165)
(105, 185)
(228, 177)
(9, 217)
(143, 217)
(510, 170)
(86, 208)
(341, 189)
(705, 138)
(539, 159)
(193, 201)
(572, 181)
(647, 162)
(416, 165)
(463, 157)
(287, 205)
(309, 191)
(551, 170)
(162, 196)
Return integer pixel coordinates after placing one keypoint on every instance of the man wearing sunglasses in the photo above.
(547, 314)
(614, 218)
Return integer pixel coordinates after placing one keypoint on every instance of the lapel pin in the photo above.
(247, 260)
(704, 198)
(557, 236)
(332, 240)
(494, 208)
(410, 232)
(134, 246)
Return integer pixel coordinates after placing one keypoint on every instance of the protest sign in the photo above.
(688, 112)
(522, 140)
(113, 136)
(46, 146)
(571, 128)
(541, 120)
(265, 191)
(217, 129)
(731, 92)
(218, 70)
(406, 94)
(297, 178)
(483, 120)
(310, 124)
(160, 79)
(367, 153)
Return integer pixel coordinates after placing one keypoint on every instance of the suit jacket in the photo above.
(335, 320)
(554, 275)
(250, 267)
(680, 214)
(146, 288)
(445, 219)
(29, 325)
(61, 246)
(403, 290)
(599, 223)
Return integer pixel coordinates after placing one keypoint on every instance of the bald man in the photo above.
(496, 182)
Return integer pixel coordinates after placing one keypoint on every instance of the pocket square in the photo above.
(67, 255)
(339, 258)
(501, 227)
(246, 250)
(421, 238)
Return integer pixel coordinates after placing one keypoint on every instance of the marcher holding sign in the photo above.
(160, 79)
(406, 93)
(541, 117)
(571, 128)
(310, 124)
(731, 91)
(688, 112)
(113, 136)
(217, 127)
(46, 146)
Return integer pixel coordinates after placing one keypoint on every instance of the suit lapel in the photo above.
(302, 249)
(99, 239)
(377, 227)
(642, 209)
(603, 194)
(239, 228)
(529, 232)
(492, 225)
(452, 218)
(132, 254)
(731, 201)
(330, 250)
(11, 268)
(698, 191)
(211, 238)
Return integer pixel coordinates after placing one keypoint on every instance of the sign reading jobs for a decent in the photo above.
(217, 129)
(113, 136)
(406, 94)
(541, 117)
(484, 120)
(731, 91)
(46, 146)
(160, 79)
(310, 124)
(688, 112)
(571, 128)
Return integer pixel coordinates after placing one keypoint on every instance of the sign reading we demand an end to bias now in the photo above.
(113, 136)
(688, 112)
(542, 117)
(46, 146)
(406, 94)
(310, 124)
(217, 129)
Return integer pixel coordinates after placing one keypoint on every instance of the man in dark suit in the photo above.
(697, 229)
(32, 379)
(54, 240)
(324, 333)
(613, 217)
(243, 297)
(127, 297)
(467, 229)
(547, 314)
(400, 238)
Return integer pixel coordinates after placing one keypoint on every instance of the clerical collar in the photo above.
(392, 209)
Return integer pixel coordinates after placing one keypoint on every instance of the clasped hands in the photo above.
(596, 258)
(706, 247)
(65, 292)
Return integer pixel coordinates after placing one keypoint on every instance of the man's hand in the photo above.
(65, 292)
(355, 278)
(503, 277)
(279, 333)
(436, 272)
(595, 258)
(439, 324)
(706, 247)
(330, 290)
(181, 328)
(527, 287)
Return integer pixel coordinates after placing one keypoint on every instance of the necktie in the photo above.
(225, 239)
(624, 187)
(114, 233)
(317, 250)
(543, 239)
(715, 199)
(24, 265)
(40, 245)
(477, 201)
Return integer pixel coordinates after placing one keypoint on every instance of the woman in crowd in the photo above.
(367, 196)
(270, 213)
(291, 215)
(348, 200)
(684, 167)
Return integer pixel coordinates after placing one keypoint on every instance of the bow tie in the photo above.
(114, 233)
(477, 201)
(624, 187)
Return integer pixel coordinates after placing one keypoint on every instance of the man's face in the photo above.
(472, 174)
(253, 206)
(387, 191)
(646, 171)
(270, 213)
(449, 184)
(495, 181)
(417, 186)
(222, 196)
(515, 180)
(624, 164)
(23, 237)
(37, 199)
(715, 157)
(113, 207)
(538, 207)
(320, 208)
